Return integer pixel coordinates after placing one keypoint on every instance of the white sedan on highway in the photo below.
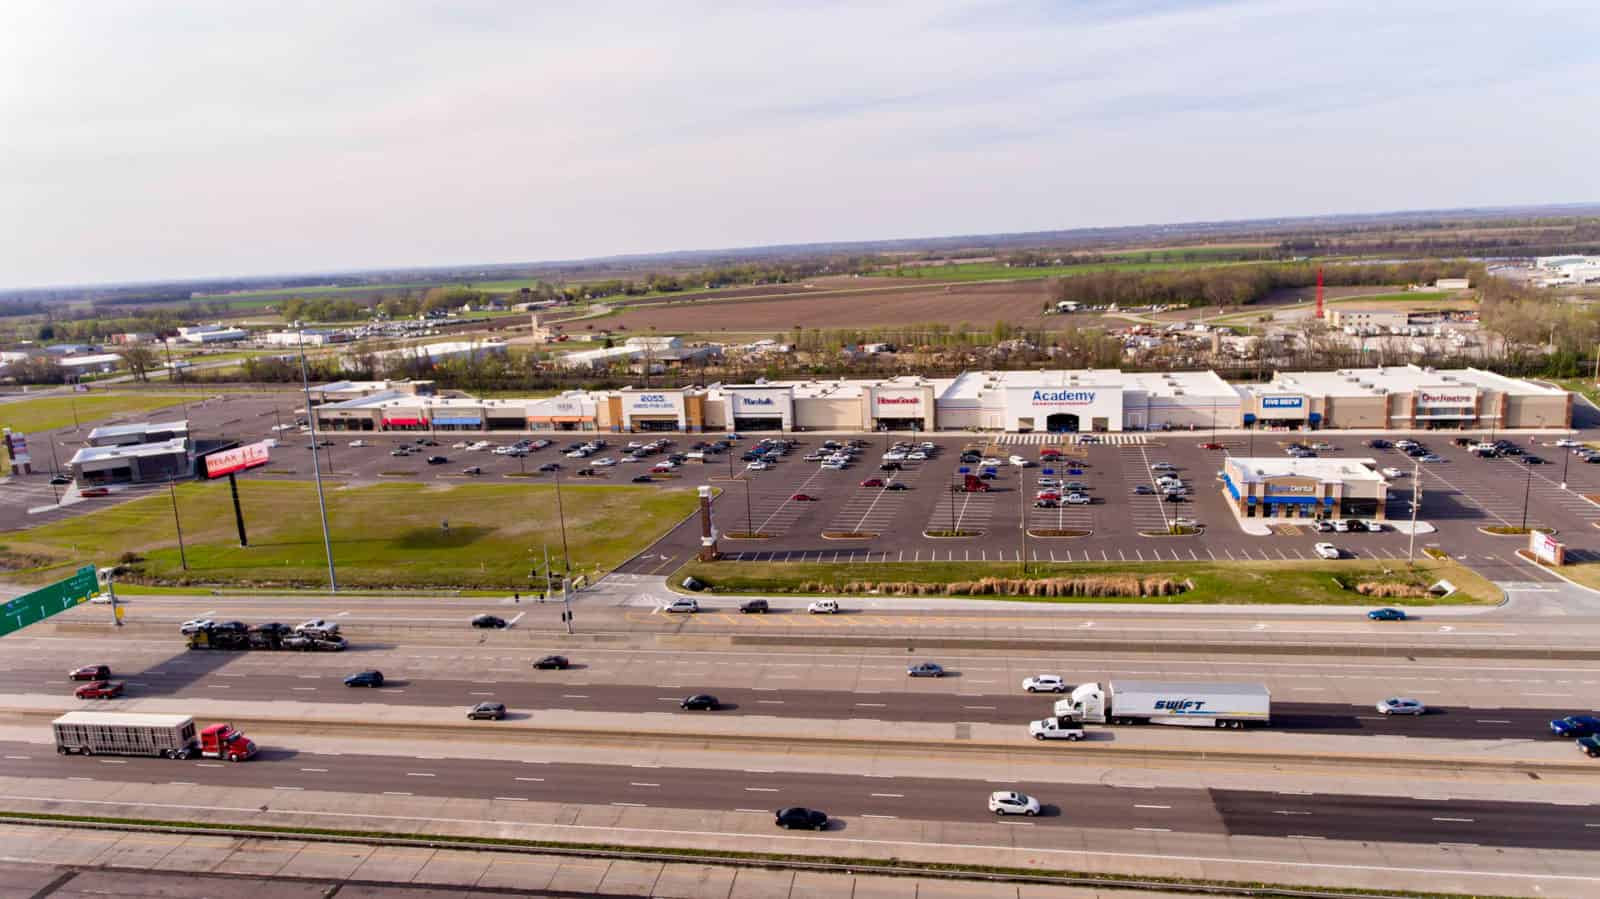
(1327, 550)
(1044, 683)
(359, 443)
(1400, 705)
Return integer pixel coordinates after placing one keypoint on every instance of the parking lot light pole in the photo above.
(561, 515)
(1527, 490)
(1022, 516)
(1566, 457)
(749, 526)
(1416, 504)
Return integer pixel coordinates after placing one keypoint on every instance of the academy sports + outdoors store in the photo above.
(1381, 399)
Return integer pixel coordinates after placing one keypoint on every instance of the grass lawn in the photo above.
(45, 413)
(387, 535)
(1247, 583)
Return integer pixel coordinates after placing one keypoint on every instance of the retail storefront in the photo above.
(570, 412)
(1304, 488)
(1449, 406)
(899, 408)
(761, 408)
(1279, 411)
(1064, 410)
(651, 410)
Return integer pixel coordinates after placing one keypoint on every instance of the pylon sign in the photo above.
(46, 601)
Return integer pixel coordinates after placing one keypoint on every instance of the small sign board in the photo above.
(46, 601)
(251, 455)
(1545, 549)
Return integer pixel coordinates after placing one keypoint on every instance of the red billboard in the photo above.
(237, 459)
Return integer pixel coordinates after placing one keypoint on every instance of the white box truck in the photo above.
(1180, 703)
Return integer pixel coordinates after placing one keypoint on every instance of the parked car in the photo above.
(1400, 705)
(642, 479)
(95, 491)
(438, 460)
(897, 485)
(91, 672)
(1077, 499)
(872, 482)
(105, 689)
(60, 480)
(371, 678)
(556, 663)
(1143, 490)
(1044, 683)
(1386, 615)
(797, 818)
(487, 711)
(754, 606)
(699, 702)
(489, 621)
(1323, 526)
(1327, 550)
(1211, 445)
(1589, 745)
(925, 669)
(1010, 802)
(803, 498)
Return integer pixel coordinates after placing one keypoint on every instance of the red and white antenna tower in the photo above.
(1319, 292)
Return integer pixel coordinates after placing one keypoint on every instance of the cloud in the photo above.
(155, 140)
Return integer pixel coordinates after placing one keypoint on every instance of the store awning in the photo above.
(1228, 482)
(473, 422)
(1314, 417)
(1249, 418)
(404, 422)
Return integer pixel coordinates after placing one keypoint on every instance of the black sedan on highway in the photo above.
(558, 663)
(701, 702)
(797, 817)
(490, 621)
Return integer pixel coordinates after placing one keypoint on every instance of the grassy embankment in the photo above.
(388, 535)
(48, 412)
(1247, 583)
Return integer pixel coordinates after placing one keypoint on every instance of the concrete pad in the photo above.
(21, 879)
(335, 861)
(260, 857)
(165, 884)
(578, 875)
(959, 889)
(751, 883)
(520, 872)
(694, 882)
(136, 850)
(41, 846)
(821, 885)
(630, 878)
(395, 864)
(198, 853)
(401, 892)
(453, 866)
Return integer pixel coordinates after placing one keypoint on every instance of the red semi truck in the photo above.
(971, 483)
(166, 736)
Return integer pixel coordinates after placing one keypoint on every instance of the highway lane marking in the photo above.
(80, 778)
(1456, 820)
(1303, 836)
(210, 765)
(532, 779)
(19, 758)
(113, 761)
(631, 804)
(988, 708)
(511, 798)
(316, 770)
(1286, 811)
(1493, 721)
(644, 766)
(761, 789)
(304, 689)
(419, 774)
(389, 792)
(474, 693)
(889, 795)
(1154, 829)
(180, 783)
(574, 696)
(288, 788)
(757, 811)
(639, 784)
(1076, 853)
(885, 817)
(876, 705)
(1152, 806)
(769, 702)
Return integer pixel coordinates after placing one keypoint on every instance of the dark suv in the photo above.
(755, 605)
(365, 679)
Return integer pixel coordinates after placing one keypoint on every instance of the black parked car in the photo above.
(550, 466)
(797, 818)
(488, 621)
(703, 702)
(60, 480)
(271, 627)
(236, 627)
(643, 479)
(1379, 444)
(365, 679)
(1532, 460)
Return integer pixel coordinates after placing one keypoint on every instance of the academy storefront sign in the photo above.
(1042, 398)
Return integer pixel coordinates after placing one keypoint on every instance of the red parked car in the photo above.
(803, 498)
(105, 689)
(95, 491)
(872, 482)
(92, 672)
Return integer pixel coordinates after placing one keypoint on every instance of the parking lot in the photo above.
(839, 519)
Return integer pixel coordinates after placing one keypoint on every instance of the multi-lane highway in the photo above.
(1396, 819)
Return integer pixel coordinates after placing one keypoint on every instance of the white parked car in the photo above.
(1393, 473)
(758, 465)
(1340, 526)
(1010, 802)
(1044, 683)
(989, 462)
(894, 456)
(1163, 466)
(359, 443)
(604, 462)
(917, 456)
(1327, 550)
(575, 454)
(459, 445)
(1021, 461)
(1077, 499)
(1568, 441)
(195, 625)
(824, 607)
(681, 605)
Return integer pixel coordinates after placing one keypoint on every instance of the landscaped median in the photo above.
(387, 535)
(1345, 582)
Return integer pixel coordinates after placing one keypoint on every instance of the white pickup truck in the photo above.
(1055, 729)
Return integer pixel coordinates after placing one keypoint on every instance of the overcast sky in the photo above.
(169, 140)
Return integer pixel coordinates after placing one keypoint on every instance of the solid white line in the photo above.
(638, 784)
(631, 804)
(886, 817)
(388, 793)
(758, 811)
(1152, 806)
(1457, 820)
(419, 774)
(20, 758)
(761, 789)
(288, 788)
(181, 783)
(316, 770)
(1154, 829)
(511, 798)
(889, 795)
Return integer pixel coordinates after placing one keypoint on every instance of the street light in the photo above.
(183, 558)
(1416, 505)
(561, 515)
(1527, 490)
(316, 460)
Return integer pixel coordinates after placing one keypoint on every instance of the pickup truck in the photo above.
(1055, 729)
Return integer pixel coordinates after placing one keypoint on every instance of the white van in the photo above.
(824, 607)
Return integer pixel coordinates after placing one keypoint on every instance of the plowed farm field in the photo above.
(979, 305)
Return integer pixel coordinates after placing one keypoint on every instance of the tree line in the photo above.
(1239, 285)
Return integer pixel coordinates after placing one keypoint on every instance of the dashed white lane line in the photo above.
(639, 784)
(392, 793)
(631, 804)
(19, 758)
(288, 788)
(532, 779)
(419, 774)
(885, 817)
(1456, 820)
(511, 799)
(889, 795)
(756, 811)
(1154, 829)
(1287, 811)
(1152, 806)
(316, 770)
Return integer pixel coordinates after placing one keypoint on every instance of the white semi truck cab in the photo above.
(1182, 704)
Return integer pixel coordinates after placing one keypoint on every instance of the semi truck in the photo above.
(971, 483)
(1180, 703)
(211, 638)
(163, 736)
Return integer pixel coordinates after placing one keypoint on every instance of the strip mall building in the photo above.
(1407, 398)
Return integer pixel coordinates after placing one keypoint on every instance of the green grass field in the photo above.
(1404, 296)
(49, 412)
(1245, 583)
(387, 535)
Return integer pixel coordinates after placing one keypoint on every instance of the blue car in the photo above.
(1386, 615)
(1576, 726)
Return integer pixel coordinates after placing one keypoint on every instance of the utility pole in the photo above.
(172, 491)
(1527, 490)
(1566, 457)
(548, 589)
(1022, 517)
(316, 461)
(566, 602)
(749, 527)
(561, 515)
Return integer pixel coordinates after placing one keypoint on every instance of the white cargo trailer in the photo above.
(120, 733)
(1180, 703)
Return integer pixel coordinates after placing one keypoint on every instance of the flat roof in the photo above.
(1325, 470)
(1398, 379)
(970, 385)
(132, 451)
(98, 359)
(143, 427)
(123, 719)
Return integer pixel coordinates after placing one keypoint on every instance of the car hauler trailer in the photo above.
(1180, 703)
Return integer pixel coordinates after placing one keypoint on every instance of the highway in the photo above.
(539, 690)
(1198, 811)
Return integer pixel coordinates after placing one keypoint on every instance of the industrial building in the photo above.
(213, 333)
(306, 336)
(656, 353)
(434, 352)
(82, 365)
(1305, 488)
(1408, 397)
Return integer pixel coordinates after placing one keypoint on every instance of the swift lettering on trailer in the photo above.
(1063, 397)
(1181, 706)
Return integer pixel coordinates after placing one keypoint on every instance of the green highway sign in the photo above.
(46, 601)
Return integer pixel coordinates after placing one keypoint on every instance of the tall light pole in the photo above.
(316, 461)
(1022, 518)
(1566, 457)
(1416, 504)
(183, 557)
(561, 515)
(1527, 490)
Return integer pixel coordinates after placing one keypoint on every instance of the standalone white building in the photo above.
(213, 333)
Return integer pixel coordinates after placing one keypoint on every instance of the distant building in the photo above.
(213, 333)
(132, 464)
(658, 352)
(312, 337)
(99, 362)
(140, 432)
(1453, 283)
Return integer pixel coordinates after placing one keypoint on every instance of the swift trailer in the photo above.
(1168, 702)
(163, 736)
